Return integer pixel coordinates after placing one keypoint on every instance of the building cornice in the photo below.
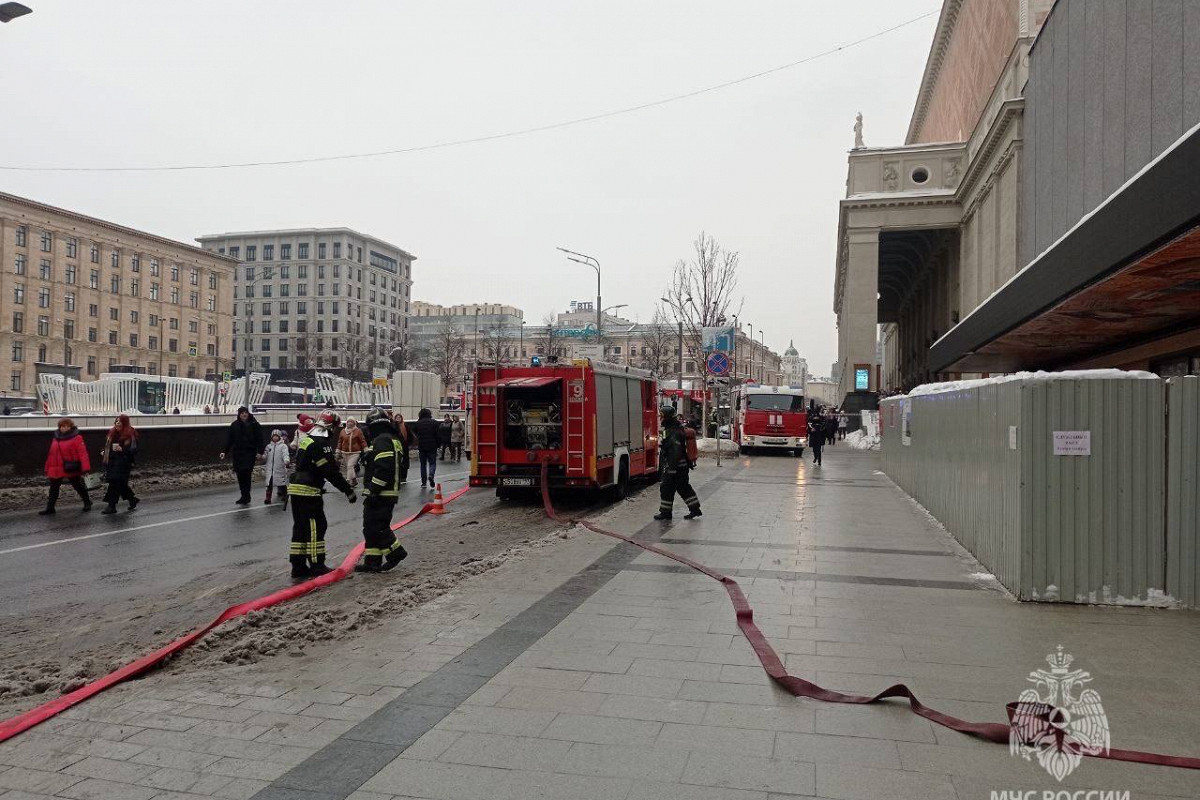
(112, 226)
(213, 237)
(977, 165)
(933, 65)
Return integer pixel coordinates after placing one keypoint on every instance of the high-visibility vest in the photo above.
(381, 487)
(311, 460)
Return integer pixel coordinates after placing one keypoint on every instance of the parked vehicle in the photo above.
(770, 417)
(594, 425)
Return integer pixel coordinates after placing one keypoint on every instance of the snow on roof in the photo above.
(1065, 375)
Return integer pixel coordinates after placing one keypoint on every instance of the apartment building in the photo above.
(316, 298)
(82, 296)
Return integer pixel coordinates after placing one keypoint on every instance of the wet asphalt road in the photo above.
(90, 561)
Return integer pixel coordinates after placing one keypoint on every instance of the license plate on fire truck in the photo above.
(774, 441)
(516, 481)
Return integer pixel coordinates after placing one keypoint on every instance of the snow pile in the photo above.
(1155, 598)
(1065, 375)
(859, 440)
(709, 446)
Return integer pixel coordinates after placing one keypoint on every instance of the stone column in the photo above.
(860, 307)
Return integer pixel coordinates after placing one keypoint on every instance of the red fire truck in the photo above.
(770, 417)
(595, 425)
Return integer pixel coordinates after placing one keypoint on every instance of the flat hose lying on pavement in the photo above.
(23, 722)
(1035, 724)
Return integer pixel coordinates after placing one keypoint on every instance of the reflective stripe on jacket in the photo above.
(382, 478)
(315, 465)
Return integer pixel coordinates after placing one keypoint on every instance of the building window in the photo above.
(301, 326)
(194, 277)
(266, 290)
(68, 329)
(337, 273)
(235, 252)
(41, 354)
(302, 271)
(283, 344)
(91, 366)
(172, 370)
(302, 289)
(155, 268)
(334, 326)
(285, 271)
(301, 307)
(212, 281)
(47, 241)
(95, 253)
(135, 288)
(114, 314)
(94, 279)
(133, 340)
(72, 248)
(175, 295)
(285, 290)
(175, 272)
(154, 291)
(115, 284)
(152, 342)
(212, 303)
(211, 349)
(266, 326)
(285, 252)
(93, 310)
(320, 250)
(249, 273)
(19, 264)
(21, 234)
(92, 334)
(72, 272)
(18, 324)
(194, 299)
(302, 251)
(112, 337)
(283, 326)
(45, 272)
(266, 309)
(268, 252)
(15, 383)
(18, 351)
(173, 345)
(266, 345)
(69, 301)
(337, 249)
(134, 317)
(251, 252)
(43, 298)
(135, 261)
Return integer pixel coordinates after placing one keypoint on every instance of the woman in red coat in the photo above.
(67, 461)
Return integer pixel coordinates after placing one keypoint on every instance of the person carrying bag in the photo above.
(67, 461)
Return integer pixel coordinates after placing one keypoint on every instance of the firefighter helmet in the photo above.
(668, 411)
(329, 420)
(377, 420)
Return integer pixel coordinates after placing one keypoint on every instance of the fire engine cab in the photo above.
(770, 417)
(595, 425)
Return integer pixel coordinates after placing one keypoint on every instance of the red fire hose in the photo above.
(23, 722)
(1033, 723)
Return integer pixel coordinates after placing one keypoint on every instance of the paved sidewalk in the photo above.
(590, 669)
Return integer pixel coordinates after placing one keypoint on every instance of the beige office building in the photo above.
(76, 291)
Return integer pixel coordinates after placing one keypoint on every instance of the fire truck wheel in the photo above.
(743, 450)
(799, 451)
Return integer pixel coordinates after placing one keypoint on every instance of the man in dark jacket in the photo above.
(381, 489)
(674, 464)
(445, 427)
(816, 438)
(315, 464)
(243, 445)
(426, 432)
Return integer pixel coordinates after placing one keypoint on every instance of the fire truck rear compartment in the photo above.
(533, 417)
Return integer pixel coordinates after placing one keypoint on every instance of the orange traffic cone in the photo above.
(439, 506)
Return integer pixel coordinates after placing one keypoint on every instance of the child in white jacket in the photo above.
(276, 457)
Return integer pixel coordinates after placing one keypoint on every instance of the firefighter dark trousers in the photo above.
(380, 542)
(676, 482)
(308, 531)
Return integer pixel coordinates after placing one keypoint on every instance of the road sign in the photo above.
(227, 376)
(192, 351)
(717, 339)
(718, 363)
(593, 351)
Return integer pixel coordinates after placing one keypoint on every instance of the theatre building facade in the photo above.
(1043, 212)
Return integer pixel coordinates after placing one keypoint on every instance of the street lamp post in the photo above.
(521, 347)
(580, 258)
(762, 370)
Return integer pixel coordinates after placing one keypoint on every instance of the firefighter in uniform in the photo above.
(674, 464)
(315, 464)
(381, 484)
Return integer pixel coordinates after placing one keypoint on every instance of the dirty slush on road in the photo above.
(66, 647)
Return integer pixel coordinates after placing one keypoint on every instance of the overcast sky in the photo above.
(760, 166)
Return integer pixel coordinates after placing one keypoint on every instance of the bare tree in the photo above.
(546, 342)
(445, 355)
(658, 344)
(305, 344)
(701, 294)
(354, 353)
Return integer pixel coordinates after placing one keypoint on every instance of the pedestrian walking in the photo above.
(405, 434)
(843, 422)
(445, 429)
(426, 433)
(243, 445)
(277, 456)
(458, 435)
(67, 461)
(315, 464)
(381, 490)
(676, 459)
(120, 452)
(351, 443)
(816, 439)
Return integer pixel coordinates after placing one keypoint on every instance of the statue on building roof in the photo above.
(858, 126)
